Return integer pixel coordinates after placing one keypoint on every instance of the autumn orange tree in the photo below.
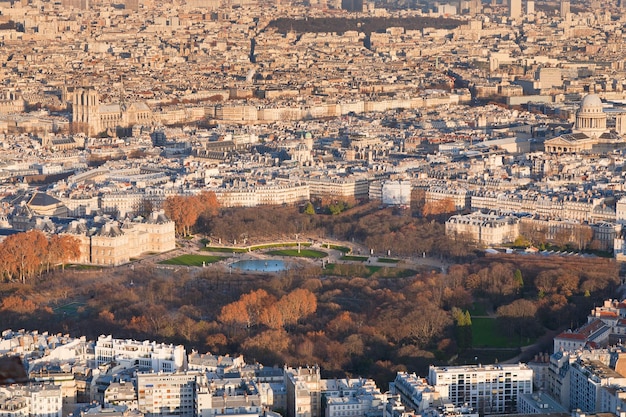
(24, 255)
(62, 249)
(260, 308)
(185, 210)
(438, 208)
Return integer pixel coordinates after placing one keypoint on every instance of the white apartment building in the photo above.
(35, 400)
(491, 389)
(271, 194)
(351, 397)
(338, 187)
(587, 377)
(121, 393)
(158, 357)
(167, 394)
(214, 363)
(351, 406)
(303, 392)
(121, 203)
(229, 396)
(538, 403)
(558, 377)
(569, 207)
(396, 193)
(415, 392)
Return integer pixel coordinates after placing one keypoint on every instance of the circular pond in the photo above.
(260, 265)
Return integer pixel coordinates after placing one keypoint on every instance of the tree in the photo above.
(581, 236)
(297, 304)
(519, 317)
(62, 249)
(27, 251)
(208, 203)
(463, 322)
(185, 210)
(437, 208)
(309, 208)
(519, 280)
(545, 282)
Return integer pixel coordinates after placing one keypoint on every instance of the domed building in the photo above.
(590, 133)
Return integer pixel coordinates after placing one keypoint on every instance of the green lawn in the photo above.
(256, 247)
(388, 260)
(367, 271)
(485, 333)
(304, 253)
(354, 258)
(223, 249)
(192, 260)
(343, 249)
(83, 267)
(281, 245)
(69, 309)
(478, 309)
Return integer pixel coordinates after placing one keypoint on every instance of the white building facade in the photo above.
(490, 389)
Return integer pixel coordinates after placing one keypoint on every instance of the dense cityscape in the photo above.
(453, 165)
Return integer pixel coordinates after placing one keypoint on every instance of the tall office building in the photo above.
(565, 8)
(131, 5)
(515, 9)
(352, 5)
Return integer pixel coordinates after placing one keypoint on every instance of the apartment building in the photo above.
(303, 392)
(227, 396)
(34, 400)
(350, 397)
(167, 394)
(270, 194)
(121, 393)
(158, 357)
(460, 196)
(490, 389)
(415, 392)
(538, 403)
(587, 377)
(338, 187)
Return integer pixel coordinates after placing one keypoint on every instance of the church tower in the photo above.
(85, 103)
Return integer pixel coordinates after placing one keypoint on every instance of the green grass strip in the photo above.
(192, 260)
(304, 253)
(354, 258)
(388, 260)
